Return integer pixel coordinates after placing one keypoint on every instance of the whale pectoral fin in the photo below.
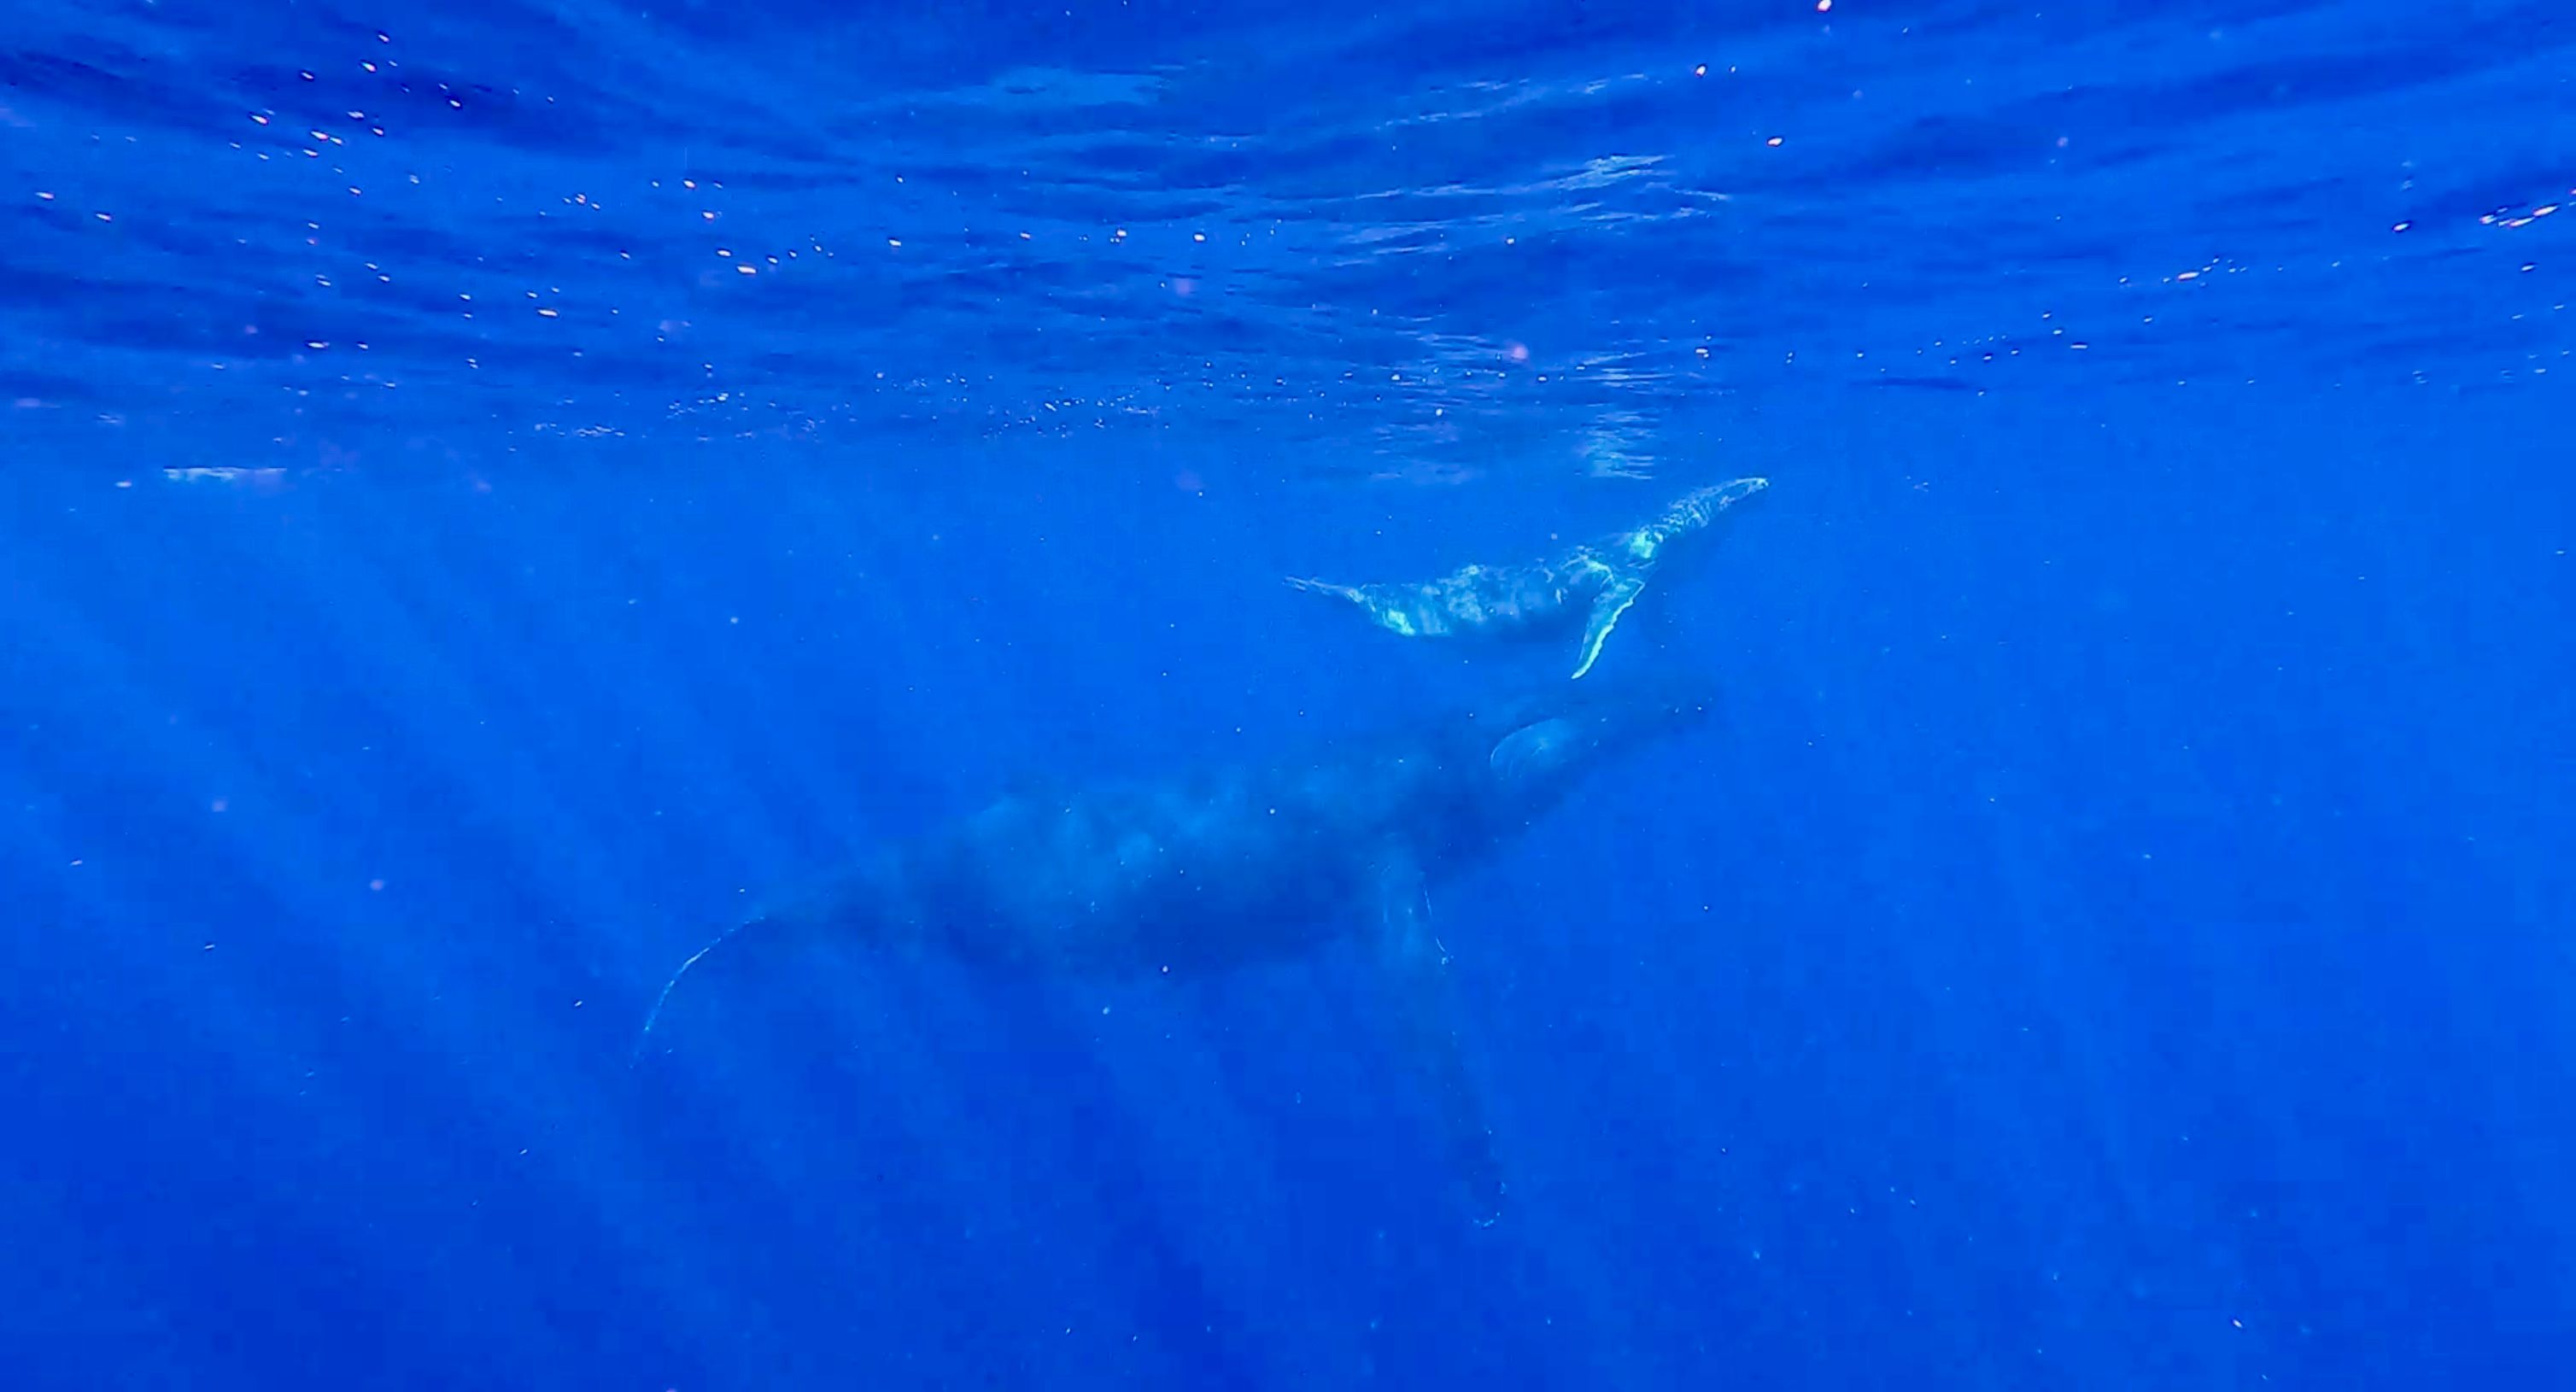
(1426, 1014)
(1607, 606)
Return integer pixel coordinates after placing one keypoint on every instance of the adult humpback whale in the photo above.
(1597, 580)
(1225, 866)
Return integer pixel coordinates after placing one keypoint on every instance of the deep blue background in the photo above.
(2115, 936)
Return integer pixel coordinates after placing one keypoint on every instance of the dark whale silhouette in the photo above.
(1219, 867)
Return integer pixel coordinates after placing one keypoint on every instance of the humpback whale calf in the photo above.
(1597, 580)
(1225, 866)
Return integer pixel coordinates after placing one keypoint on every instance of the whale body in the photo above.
(1215, 868)
(1594, 583)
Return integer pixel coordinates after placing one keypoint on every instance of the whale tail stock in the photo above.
(1325, 587)
(654, 1016)
(847, 907)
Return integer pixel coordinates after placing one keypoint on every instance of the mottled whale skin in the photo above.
(1595, 582)
(1222, 867)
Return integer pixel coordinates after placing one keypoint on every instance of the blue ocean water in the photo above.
(492, 492)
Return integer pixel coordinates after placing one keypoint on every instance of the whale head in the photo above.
(1547, 743)
(1693, 512)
